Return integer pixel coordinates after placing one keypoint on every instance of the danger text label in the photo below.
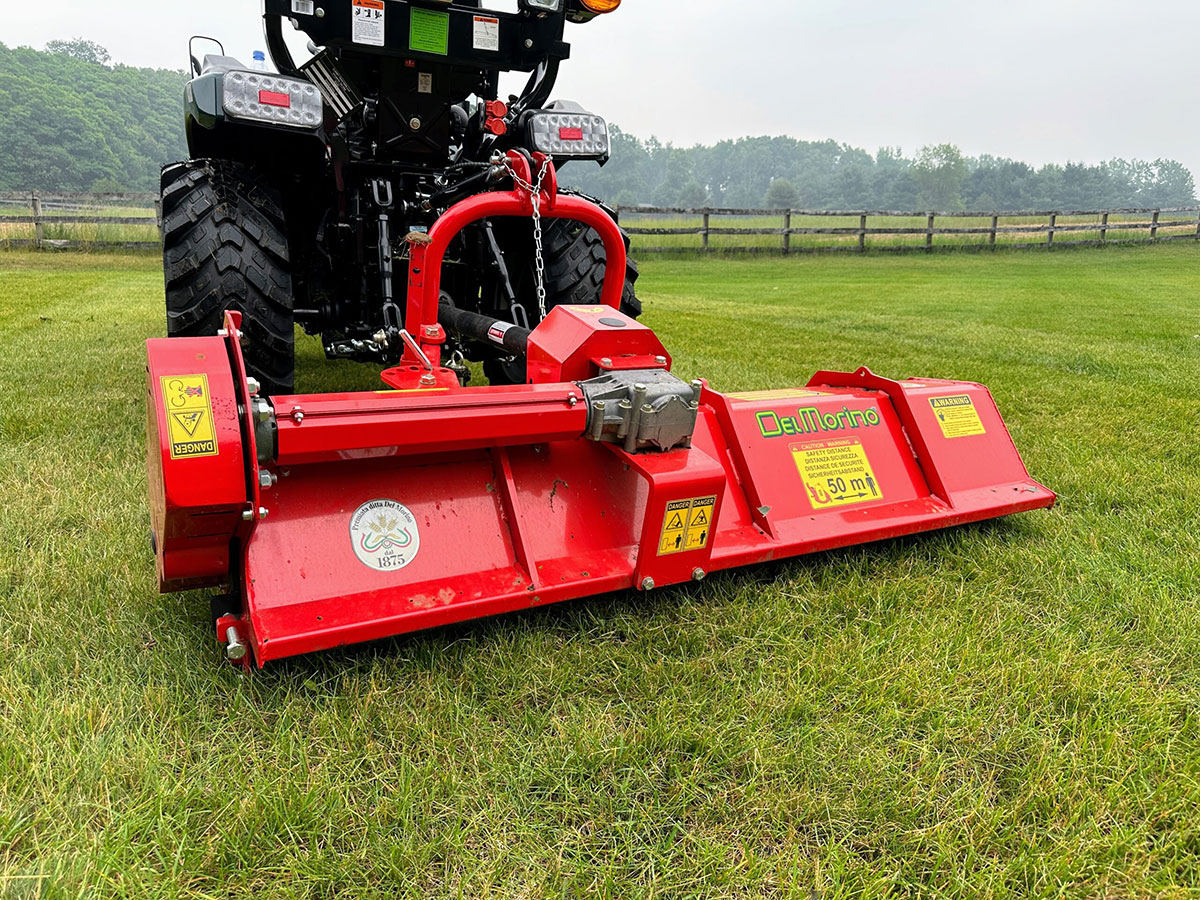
(189, 416)
(836, 473)
(687, 525)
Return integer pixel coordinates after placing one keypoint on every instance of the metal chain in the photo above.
(535, 197)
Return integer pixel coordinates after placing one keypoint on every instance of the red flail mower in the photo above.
(330, 519)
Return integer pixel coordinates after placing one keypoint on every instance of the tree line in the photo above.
(783, 172)
(71, 121)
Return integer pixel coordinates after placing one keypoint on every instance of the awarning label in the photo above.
(687, 525)
(367, 23)
(486, 34)
(836, 473)
(189, 416)
(957, 415)
(385, 535)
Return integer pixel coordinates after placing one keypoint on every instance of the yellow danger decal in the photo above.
(687, 525)
(786, 394)
(836, 473)
(957, 416)
(189, 416)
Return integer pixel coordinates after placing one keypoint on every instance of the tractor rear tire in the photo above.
(225, 248)
(575, 263)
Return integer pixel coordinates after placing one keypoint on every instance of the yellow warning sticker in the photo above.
(687, 525)
(957, 415)
(189, 416)
(785, 394)
(591, 310)
(836, 473)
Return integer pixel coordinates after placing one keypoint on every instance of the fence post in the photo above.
(1104, 227)
(862, 233)
(1050, 229)
(1198, 225)
(39, 231)
(929, 234)
(704, 234)
(158, 216)
(787, 232)
(992, 235)
(1154, 226)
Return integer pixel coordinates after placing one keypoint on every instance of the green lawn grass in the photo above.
(1002, 710)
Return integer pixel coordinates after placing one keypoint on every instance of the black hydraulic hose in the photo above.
(484, 329)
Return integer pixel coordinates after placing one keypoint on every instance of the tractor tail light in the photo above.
(272, 99)
(567, 134)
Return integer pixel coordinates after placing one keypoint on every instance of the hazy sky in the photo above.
(1051, 80)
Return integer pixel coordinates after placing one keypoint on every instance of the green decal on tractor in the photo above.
(429, 31)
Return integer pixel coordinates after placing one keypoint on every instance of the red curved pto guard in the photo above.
(427, 252)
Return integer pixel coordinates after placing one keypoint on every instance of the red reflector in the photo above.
(274, 98)
(570, 134)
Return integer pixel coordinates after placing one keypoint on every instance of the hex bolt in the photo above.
(235, 650)
(661, 360)
(572, 399)
(414, 123)
(606, 362)
(599, 407)
(647, 584)
(297, 415)
(428, 380)
(253, 386)
(267, 479)
(431, 331)
(320, 12)
(626, 408)
(698, 574)
(263, 512)
(247, 515)
(528, 43)
(635, 418)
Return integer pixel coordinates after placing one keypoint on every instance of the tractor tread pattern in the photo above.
(575, 263)
(225, 247)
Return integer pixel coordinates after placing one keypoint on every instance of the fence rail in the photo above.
(856, 233)
(134, 219)
(94, 219)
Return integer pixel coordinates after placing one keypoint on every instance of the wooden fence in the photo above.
(59, 220)
(709, 229)
(134, 220)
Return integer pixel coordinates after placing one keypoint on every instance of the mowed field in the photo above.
(1009, 709)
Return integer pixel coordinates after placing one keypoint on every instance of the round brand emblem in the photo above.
(385, 535)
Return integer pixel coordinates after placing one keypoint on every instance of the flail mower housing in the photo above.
(336, 518)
